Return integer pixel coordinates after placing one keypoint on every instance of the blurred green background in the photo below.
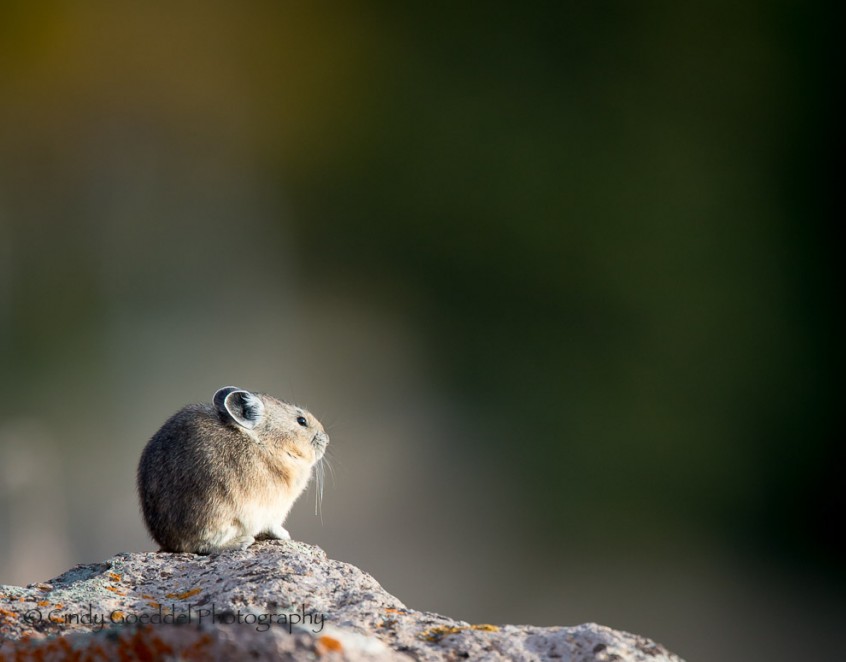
(559, 279)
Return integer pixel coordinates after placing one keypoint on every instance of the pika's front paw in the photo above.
(279, 533)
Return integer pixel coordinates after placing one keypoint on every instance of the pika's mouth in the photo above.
(320, 441)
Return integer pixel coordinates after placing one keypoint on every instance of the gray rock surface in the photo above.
(276, 600)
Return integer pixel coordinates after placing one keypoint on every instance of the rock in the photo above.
(276, 600)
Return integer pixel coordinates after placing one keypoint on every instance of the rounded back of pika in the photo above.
(216, 476)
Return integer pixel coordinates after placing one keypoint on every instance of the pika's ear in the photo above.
(220, 396)
(241, 407)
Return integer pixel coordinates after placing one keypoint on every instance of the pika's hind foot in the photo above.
(235, 544)
(241, 543)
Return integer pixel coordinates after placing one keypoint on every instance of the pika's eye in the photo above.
(302, 421)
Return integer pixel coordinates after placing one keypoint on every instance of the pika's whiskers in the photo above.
(320, 476)
(330, 467)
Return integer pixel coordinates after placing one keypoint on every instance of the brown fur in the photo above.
(208, 481)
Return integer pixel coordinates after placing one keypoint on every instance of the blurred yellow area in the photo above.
(282, 77)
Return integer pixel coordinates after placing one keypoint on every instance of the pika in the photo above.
(219, 476)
